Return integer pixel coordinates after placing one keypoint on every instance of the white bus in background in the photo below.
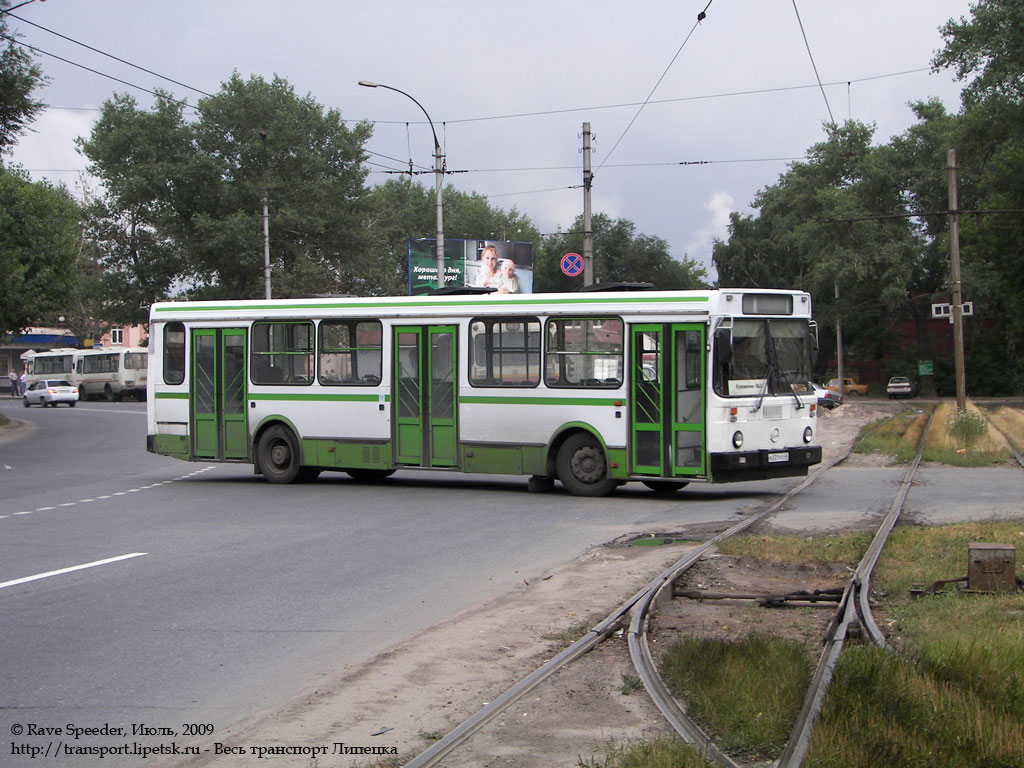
(114, 373)
(52, 364)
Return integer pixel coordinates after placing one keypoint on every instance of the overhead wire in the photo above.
(814, 66)
(110, 55)
(700, 17)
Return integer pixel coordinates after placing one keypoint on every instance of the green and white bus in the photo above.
(594, 389)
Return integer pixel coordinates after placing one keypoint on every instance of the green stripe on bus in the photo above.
(514, 400)
(315, 396)
(535, 300)
(172, 395)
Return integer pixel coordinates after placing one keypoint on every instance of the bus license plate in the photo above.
(775, 458)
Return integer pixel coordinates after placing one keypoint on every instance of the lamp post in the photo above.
(438, 179)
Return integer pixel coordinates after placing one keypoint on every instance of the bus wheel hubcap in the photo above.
(587, 465)
(280, 455)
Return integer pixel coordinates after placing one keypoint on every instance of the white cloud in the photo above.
(720, 205)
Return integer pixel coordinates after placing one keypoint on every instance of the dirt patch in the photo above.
(406, 698)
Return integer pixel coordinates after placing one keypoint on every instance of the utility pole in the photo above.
(588, 232)
(266, 223)
(954, 254)
(839, 342)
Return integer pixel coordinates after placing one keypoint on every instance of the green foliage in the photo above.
(966, 427)
(400, 210)
(898, 436)
(882, 710)
(658, 753)
(183, 201)
(39, 240)
(747, 693)
(620, 255)
(19, 76)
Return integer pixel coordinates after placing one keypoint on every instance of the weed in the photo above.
(569, 635)
(747, 693)
(883, 710)
(660, 753)
(630, 684)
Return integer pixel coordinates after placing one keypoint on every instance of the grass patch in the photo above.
(955, 695)
(882, 710)
(747, 694)
(797, 549)
(568, 635)
(958, 439)
(975, 642)
(4, 421)
(661, 753)
(897, 436)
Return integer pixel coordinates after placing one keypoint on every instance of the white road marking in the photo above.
(93, 564)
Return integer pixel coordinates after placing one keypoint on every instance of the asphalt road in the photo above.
(210, 595)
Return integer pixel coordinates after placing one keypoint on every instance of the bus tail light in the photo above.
(808, 435)
(737, 439)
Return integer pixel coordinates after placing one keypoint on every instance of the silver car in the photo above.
(50, 392)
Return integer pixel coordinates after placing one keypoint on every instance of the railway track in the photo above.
(853, 615)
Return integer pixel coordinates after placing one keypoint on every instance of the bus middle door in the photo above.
(667, 426)
(425, 396)
(219, 424)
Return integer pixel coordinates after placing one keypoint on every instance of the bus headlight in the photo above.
(737, 439)
(808, 435)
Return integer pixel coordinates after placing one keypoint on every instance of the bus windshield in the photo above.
(766, 356)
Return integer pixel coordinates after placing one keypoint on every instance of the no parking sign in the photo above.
(572, 264)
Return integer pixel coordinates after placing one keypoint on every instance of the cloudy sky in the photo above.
(689, 119)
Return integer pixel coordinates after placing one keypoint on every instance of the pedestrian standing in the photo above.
(24, 381)
(13, 376)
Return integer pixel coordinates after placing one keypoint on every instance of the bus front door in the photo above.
(219, 427)
(425, 396)
(667, 374)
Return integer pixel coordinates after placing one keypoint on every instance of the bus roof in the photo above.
(706, 302)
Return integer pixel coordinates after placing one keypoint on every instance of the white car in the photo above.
(826, 397)
(50, 392)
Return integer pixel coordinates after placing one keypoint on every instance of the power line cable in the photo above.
(700, 17)
(111, 56)
(95, 71)
(813, 65)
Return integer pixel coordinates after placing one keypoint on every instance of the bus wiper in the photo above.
(764, 387)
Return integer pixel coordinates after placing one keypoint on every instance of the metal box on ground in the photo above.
(991, 568)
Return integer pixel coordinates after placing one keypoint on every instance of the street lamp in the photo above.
(438, 179)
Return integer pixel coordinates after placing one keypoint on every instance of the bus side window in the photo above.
(173, 353)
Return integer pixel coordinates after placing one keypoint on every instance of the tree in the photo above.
(19, 76)
(39, 238)
(988, 49)
(401, 210)
(183, 203)
(620, 255)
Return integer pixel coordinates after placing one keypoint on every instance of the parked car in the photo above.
(826, 397)
(850, 387)
(51, 392)
(900, 386)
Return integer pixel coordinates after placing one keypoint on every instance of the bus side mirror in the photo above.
(814, 349)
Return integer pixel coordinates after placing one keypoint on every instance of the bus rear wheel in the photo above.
(583, 468)
(279, 456)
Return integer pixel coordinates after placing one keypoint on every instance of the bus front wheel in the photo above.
(583, 468)
(279, 455)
